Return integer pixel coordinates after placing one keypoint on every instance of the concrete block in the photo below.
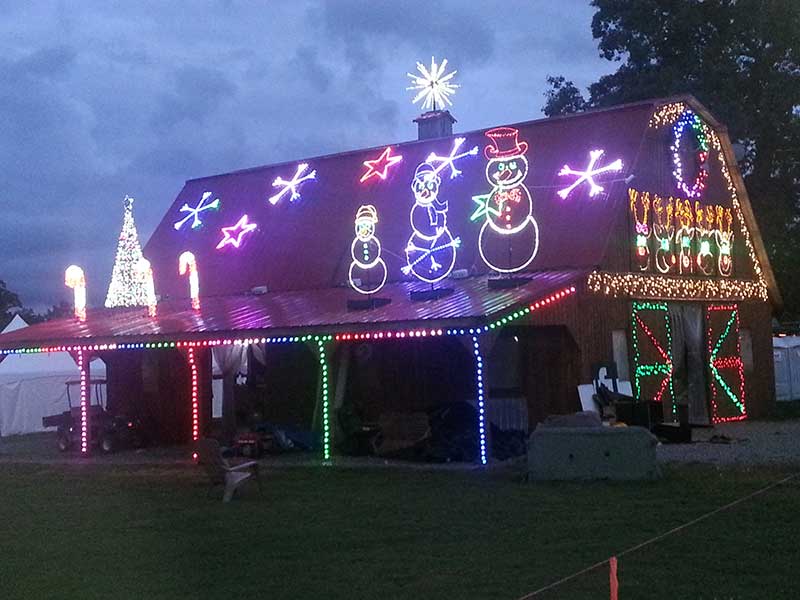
(580, 453)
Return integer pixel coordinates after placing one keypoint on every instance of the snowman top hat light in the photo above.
(504, 143)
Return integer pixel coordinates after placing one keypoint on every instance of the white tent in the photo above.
(35, 385)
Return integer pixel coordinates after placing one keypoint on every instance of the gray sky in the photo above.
(103, 99)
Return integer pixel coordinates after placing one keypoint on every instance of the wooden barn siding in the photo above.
(590, 318)
(760, 382)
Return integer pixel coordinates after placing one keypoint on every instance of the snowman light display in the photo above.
(509, 237)
(431, 248)
(367, 270)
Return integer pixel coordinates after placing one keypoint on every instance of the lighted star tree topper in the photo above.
(433, 87)
(127, 287)
(291, 185)
(588, 174)
(194, 212)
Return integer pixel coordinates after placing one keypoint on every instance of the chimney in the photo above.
(434, 124)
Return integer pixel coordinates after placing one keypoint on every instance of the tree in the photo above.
(741, 58)
(128, 286)
(563, 97)
(8, 302)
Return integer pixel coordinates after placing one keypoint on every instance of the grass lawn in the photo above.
(149, 532)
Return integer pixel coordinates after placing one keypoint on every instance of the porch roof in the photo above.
(325, 311)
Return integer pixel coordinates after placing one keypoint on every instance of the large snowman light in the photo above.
(367, 270)
(431, 249)
(509, 237)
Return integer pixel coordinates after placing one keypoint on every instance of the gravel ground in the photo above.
(751, 443)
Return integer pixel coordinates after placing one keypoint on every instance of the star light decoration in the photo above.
(194, 213)
(445, 161)
(379, 167)
(588, 174)
(291, 185)
(432, 85)
(235, 233)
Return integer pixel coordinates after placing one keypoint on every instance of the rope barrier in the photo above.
(657, 538)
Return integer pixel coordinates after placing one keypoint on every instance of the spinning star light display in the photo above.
(432, 85)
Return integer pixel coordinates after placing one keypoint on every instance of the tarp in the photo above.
(35, 385)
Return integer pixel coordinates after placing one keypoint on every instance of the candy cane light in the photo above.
(74, 278)
(146, 273)
(188, 263)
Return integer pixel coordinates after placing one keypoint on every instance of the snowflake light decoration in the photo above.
(588, 174)
(445, 161)
(292, 184)
(433, 87)
(194, 213)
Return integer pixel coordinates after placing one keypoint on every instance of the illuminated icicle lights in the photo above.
(379, 167)
(194, 212)
(480, 395)
(701, 132)
(324, 390)
(588, 174)
(667, 115)
(663, 347)
(449, 161)
(74, 278)
(188, 264)
(233, 235)
(195, 396)
(127, 287)
(640, 285)
(367, 272)
(83, 361)
(433, 86)
(721, 390)
(292, 186)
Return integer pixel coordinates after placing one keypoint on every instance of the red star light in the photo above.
(380, 166)
(232, 237)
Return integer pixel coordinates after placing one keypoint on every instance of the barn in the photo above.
(495, 268)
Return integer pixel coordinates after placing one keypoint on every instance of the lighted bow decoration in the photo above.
(74, 278)
(588, 174)
(188, 264)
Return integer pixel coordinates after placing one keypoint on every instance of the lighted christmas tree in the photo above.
(128, 286)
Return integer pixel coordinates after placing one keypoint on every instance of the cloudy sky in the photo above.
(102, 99)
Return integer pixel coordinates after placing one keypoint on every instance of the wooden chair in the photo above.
(220, 472)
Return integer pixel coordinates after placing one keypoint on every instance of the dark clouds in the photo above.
(102, 99)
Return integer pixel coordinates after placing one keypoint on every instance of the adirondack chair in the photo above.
(220, 472)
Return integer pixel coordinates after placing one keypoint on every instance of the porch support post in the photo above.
(485, 449)
(194, 395)
(84, 357)
(323, 390)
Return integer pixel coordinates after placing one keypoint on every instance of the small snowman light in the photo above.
(367, 270)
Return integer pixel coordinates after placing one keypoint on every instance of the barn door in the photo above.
(652, 355)
(724, 361)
